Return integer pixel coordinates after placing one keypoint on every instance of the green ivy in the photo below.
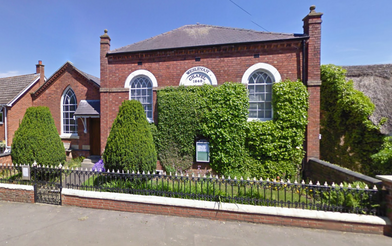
(237, 147)
(349, 137)
(278, 144)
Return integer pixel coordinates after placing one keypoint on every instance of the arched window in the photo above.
(68, 106)
(140, 84)
(260, 96)
(259, 79)
(140, 89)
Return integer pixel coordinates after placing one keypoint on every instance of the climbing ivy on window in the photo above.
(237, 147)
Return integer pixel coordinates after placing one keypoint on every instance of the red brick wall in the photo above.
(227, 63)
(312, 27)
(16, 195)
(51, 97)
(219, 215)
(6, 159)
(16, 112)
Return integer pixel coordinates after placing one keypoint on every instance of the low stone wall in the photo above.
(226, 211)
(317, 170)
(17, 193)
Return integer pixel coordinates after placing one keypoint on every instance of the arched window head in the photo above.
(69, 105)
(140, 84)
(259, 79)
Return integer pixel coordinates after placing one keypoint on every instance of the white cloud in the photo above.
(9, 74)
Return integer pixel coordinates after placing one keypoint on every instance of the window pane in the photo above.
(260, 95)
(142, 93)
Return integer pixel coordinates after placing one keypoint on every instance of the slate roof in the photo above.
(88, 108)
(203, 35)
(12, 87)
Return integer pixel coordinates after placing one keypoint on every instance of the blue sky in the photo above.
(354, 32)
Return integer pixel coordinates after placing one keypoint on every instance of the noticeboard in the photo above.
(202, 151)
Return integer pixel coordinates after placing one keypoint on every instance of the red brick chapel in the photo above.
(84, 107)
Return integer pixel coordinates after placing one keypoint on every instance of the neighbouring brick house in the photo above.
(65, 92)
(203, 54)
(73, 99)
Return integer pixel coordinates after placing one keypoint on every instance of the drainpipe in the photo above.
(4, 108)
(304, 80)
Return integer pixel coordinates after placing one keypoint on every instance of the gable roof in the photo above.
(203, 35)
(13, 87)
(89, 77)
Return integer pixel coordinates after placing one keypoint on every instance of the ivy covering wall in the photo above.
(237, 147)
(349, 137)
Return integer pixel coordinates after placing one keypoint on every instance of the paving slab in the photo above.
(40, 224)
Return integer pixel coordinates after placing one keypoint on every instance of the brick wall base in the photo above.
(5, 159)
(16, 195)
(216, 214)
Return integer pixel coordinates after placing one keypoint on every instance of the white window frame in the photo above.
(1, 116)
(269, 70)
(142, 73)
(72, 134)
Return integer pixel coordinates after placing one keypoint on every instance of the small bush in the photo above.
(37, 139)
(130, 145)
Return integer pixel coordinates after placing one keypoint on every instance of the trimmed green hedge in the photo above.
(130, 145)
(37, 139)
(237, 147)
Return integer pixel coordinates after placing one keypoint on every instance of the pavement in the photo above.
(41, 224)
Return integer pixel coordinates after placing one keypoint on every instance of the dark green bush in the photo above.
(37, 139)
(130, 145)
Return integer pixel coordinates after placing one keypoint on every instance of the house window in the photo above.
(1, 117)
(141, 90)
(259, 79)
(260, 96)
(140, 84)
(69, 104)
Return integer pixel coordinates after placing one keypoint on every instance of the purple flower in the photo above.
(99, 166)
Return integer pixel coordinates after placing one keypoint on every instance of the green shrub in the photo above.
(382, 161)
(37, 139)
(349, 137)
(130, 144)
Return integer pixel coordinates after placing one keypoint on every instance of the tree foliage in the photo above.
(130, 145)
(349, 137)
(37, 139)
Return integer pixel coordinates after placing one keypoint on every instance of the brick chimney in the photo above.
(312, 27)
(105, 97)
(41, 70)
(104, 49)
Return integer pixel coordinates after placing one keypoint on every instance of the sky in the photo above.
(354, 32)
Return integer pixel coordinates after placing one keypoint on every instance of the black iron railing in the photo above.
(278, 193)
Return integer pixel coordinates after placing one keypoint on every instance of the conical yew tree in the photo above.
(130, 145)
(37, 139)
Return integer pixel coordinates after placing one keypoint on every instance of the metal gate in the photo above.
(47, 185)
